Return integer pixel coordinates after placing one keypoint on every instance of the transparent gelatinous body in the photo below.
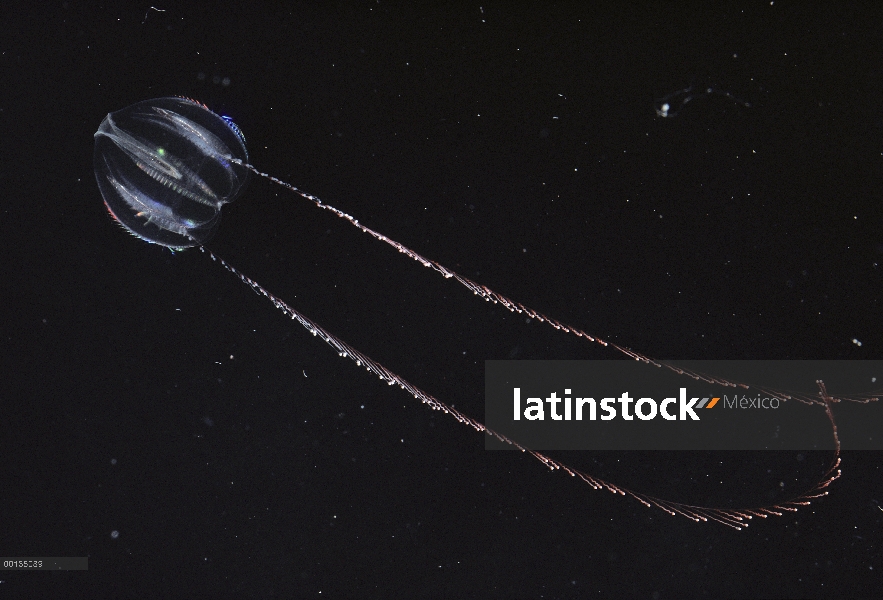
(165, 169)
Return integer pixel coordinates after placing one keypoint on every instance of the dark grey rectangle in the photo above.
(776, 405)
(42, 563)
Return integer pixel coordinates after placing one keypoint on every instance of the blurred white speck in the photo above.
(856, 342)
(114, 534)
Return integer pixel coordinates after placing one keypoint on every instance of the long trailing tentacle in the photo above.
(735, 518)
